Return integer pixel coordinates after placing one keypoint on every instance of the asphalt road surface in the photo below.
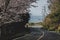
(39, 34)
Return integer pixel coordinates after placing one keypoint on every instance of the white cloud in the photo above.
(38, 10)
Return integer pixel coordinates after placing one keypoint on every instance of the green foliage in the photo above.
(52, 21)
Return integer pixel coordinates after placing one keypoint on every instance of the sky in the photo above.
(38, 11)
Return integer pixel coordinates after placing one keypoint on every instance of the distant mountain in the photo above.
(36, 19)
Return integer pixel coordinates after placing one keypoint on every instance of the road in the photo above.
(35, 34)
(39, 34)
(36, 26)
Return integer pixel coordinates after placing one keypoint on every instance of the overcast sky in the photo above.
(38, 10)
(37, 14)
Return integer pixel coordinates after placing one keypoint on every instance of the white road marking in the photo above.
(41, 36)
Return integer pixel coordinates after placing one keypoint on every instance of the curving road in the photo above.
(39, 34)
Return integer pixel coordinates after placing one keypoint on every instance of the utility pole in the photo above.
(44, 12)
